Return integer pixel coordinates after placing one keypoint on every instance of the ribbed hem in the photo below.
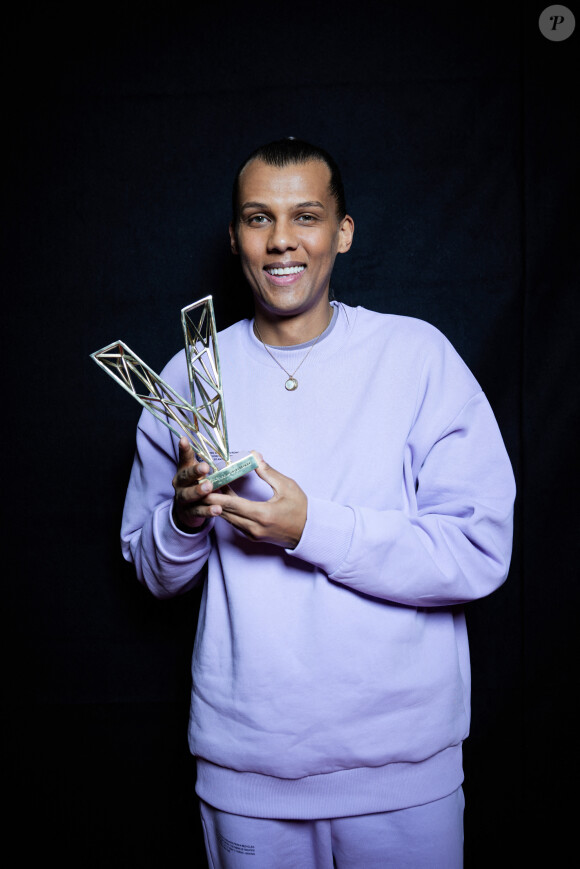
(173, 544)
(332, 795)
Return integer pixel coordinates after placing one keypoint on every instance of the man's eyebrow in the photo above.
(263, 207)
(314, 204)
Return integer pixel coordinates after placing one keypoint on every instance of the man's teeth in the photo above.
(291, 270)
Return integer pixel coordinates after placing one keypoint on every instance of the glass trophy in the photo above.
(202, 418)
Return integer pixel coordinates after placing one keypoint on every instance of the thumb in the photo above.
(270, 475)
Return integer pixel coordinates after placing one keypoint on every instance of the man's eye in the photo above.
(257, 219)
(306, 218)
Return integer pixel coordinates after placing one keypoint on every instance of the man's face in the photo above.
(288, 235)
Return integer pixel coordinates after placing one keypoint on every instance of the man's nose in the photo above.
(282, 236)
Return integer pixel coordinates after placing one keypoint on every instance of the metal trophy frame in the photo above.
(202, 419)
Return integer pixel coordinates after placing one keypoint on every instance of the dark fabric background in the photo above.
(455, 126)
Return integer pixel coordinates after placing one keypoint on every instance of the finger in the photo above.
(187, 456)
(242, 519)
(188, 495)
(191, 507)
(187, 478)
(234, 505)
(193, 517)
(198, 508)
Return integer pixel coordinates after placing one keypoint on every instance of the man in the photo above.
(331, 677)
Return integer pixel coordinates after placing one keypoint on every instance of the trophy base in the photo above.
(232, 472)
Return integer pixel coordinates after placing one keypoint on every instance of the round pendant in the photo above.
(291, 384)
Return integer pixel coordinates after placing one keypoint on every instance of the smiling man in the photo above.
(288, 231)
(330, 693)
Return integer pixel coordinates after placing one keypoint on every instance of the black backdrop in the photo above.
(455, 129)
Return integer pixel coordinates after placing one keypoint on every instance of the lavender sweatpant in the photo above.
(422, 837)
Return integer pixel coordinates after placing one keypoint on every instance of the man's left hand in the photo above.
(279, 520)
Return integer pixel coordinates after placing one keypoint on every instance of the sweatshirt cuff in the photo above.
(327, 535)
(174, 544)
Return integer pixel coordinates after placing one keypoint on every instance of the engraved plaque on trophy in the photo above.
(202, 417)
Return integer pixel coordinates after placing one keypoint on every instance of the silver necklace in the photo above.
(292, 384)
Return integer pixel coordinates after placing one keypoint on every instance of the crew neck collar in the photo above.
(328, 342)
(317, 339)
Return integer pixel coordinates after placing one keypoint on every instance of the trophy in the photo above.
(202, 419)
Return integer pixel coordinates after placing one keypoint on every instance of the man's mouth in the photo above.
(287, 270)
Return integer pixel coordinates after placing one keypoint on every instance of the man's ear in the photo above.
(346, 230)
(233, 241)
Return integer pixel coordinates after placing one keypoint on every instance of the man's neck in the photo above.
(291, 330)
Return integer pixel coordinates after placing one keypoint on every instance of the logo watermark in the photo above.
(557, 23)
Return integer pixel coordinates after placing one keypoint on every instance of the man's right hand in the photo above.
(189, 509)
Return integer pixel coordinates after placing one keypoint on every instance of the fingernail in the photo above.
(206, 487)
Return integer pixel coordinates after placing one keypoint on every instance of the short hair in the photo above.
(286, 152)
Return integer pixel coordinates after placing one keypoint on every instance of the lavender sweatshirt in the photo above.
(334, 679)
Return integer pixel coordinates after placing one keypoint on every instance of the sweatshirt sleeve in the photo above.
(167, 560)
(451, 540)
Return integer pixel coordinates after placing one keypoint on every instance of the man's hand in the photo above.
(279, 520)
(190, 509)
